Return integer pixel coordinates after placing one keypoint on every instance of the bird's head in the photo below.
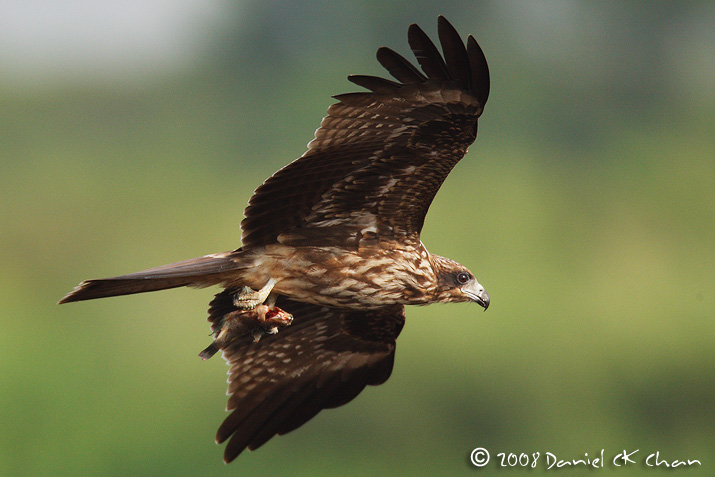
(455, 283)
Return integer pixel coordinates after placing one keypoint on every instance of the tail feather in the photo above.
(201, 271)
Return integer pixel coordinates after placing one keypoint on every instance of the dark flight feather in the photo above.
(399, 67)
(427, 54)
(374, 83)
(323, 360)
(455, 54)
(480, 70)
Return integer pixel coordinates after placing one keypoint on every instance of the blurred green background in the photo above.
(133, 134)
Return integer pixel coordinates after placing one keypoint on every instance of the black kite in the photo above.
(314, 299)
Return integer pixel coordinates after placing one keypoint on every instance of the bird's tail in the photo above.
(202, 271)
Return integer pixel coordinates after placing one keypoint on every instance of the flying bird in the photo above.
(330, 254)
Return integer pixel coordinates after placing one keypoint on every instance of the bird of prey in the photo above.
(330, 254)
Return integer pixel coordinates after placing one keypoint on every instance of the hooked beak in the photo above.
(479, 296)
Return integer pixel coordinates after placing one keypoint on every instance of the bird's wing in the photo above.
(379, 157)
(324, 359)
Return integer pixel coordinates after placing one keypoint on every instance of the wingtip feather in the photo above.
(398, 66)
(479, 70)
(455, 54)
(426, 53)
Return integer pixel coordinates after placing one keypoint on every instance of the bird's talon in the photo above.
(248, 298)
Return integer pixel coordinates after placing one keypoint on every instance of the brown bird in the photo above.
(333, 238)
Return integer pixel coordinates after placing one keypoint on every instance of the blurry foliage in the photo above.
(586, 207)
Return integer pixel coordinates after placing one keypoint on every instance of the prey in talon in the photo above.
(257, 322)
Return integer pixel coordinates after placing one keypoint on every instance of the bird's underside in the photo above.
(313, 301)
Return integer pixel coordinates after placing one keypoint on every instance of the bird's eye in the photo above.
(462, 278)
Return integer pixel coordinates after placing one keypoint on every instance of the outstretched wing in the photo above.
(323, 360)
(379, 157)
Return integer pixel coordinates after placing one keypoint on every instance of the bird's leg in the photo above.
(271, 300)
(248, 298)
